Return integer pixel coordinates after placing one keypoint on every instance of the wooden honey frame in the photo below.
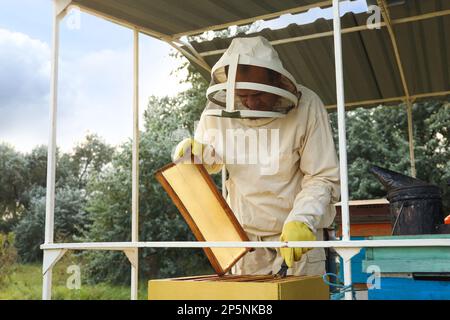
(219, 269)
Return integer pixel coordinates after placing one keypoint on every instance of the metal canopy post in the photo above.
(135, 171)
(387, 19)
(342, 139)
(195, 57)
(411, 137)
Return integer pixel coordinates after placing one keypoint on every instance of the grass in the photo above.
(24, 282)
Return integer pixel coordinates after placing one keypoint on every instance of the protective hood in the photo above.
(255, 51)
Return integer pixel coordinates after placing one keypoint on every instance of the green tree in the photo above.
(13, 184)
(37, 166)
(433, 150)
(25, 181)
(71, 221)
(159, 219)
(379, 136)
(89, 157)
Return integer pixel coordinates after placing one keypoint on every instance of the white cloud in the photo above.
(355, 6)
(156, 68)
(95, 91)
(96, 96)
(24, 81)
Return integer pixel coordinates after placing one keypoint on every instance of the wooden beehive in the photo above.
(205, 211)
(239, 288)
(409, 259)
(367, 218)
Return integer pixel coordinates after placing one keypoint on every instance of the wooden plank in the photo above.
(408, 266)
(187, 217)
(248, 287)
(367, 211)
(409, 259)
(410, 253)
(205, 210)
(418, 236)
(222, 202)
(366, 215)
(367, 229)
(369, 202)
(211, 290)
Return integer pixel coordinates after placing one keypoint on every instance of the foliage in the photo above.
(70, 221)
(379, 136)
(89, 157)
(24, 184)
(166, 120)
(13, 184)
(8, 256)
(25, 283)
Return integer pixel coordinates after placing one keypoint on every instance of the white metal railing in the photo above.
(250, 244)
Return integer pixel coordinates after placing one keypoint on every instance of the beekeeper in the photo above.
(275, 140)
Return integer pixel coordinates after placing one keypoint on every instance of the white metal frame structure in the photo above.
(55, 251)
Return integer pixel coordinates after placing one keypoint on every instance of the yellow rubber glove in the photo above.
(190, 146)
(295, 231)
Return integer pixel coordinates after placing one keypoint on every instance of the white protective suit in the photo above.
(295, 175)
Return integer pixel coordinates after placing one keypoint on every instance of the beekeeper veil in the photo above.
(244, 52)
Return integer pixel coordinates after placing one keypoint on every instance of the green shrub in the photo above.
(8, 255)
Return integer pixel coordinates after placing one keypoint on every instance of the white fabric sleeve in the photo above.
(201, 135)
(320, 167)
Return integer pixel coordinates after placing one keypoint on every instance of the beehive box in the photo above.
(231, 287)
(367, 218)
(410, 289)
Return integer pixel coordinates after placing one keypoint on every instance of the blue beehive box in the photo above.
(358, 274)
(410, 289)
(399, 265)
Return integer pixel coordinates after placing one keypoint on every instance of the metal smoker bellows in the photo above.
(415, 205)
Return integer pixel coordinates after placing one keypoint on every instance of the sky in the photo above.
(95, 92)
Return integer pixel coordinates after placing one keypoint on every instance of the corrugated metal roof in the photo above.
(170, 17)
(370, 68)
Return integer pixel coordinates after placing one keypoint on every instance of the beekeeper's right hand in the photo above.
(295, 231)
(204, 152)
